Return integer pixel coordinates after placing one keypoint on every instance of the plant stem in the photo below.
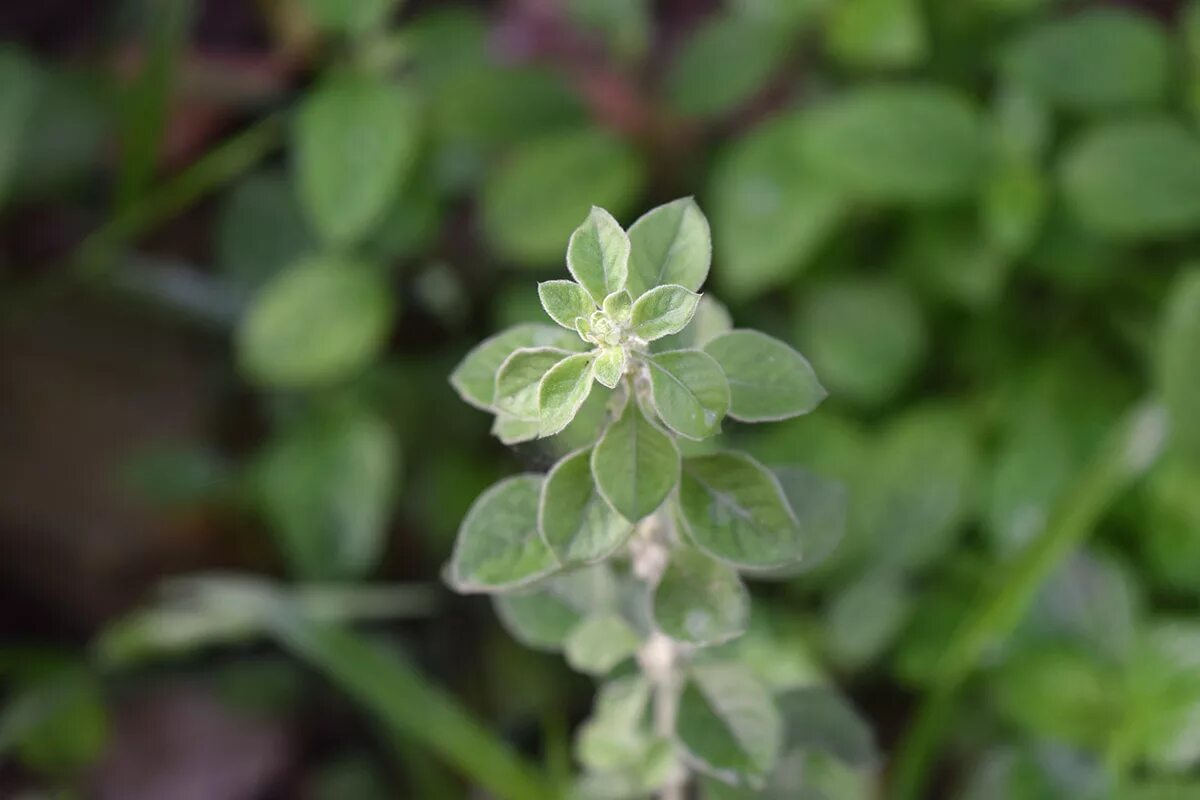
(1128, 452)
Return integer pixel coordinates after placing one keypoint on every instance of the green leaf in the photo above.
(710, 320)
(728, 724)
(768, 380)
(563, 390)
(599, 643)
(724, 63)
(512, 430)
(689, 392)
(574, 519)
(315, 323)
(518, 379)
(355, 141)
(1178, 359)
(535, 199)
(734, 508)
(543, 618)
(820, 506)
(475, 377)
(670, 244)
(357, 17)
(772, 211)
(699, 600)
(635, 464)
(876, 33)
(498, 545)
(598, 254)
(261, 230)
(662, 311)
(618, 306)
(1098, 59)
(1135, 179)
(866, 338)
(865, 617)
(819, 719)
(327, 488)
(19, 86)
(565, 302)
(900, 144)
(615, 735)
(610, 366)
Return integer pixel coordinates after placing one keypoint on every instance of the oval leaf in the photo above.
(662, 311)
(1179, 360)
(598, 254)
(599, 643)
(574, 519)
(728, 723)
(315, 323)
(669, 244)
(699, 600)
(518, 378)
(355, 141)
(562, 391)
(734, 508)
(565, 302)
(475, 377)
(635, 465)
(610, 366)
(498, 545)
(768, 380)
(690, 392)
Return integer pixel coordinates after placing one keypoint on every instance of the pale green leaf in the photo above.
(1135, 179)
(700, 601)
(820, 505)
(635, 464)
(910, 143)
(512, 430)
(536, 197)
(865, 617)
(355, 141)
(598, 254)
(876, 33)
(618, 306)
(1178, 360)
(768, 380)
(734, 508)
(565, 302)
(615, 735)
(563, 390)
(728, 724)
(599, 643)
(1098, 59)
(498, 545)
(518, 378)
(610, 366)
(689, 392)
(710, 320)
(543, 617)
(771, 209)
(662, 311)
(475, 376)
(670, 244)
(574, 519)
(315, 323)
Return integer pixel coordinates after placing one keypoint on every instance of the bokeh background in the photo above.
(977, 218)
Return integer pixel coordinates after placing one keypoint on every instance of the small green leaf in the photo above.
(662, 311)
(734, 508)
(1178, 360)
(689, 391)
(563, 390)
(724, 63)
(1135, 179)
(475, 377)
(315, 323)
(598, 254)
(610, 366)
(618, 306)
(699, 600)
(768, 380)
(599, 643)
(355, 141)
(512, 430)
(865, 618)
(876, 33)
(615, 735)
(577, 523)
(536, 197)
(728, 724)
(909, 143)
(635, 464)
(1100, 58)
(518, 378)
(498, 545)
(710, 320)
(543, 618)
(565, 302)
(669, 244)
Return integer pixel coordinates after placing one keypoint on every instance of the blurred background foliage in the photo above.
(242, 244)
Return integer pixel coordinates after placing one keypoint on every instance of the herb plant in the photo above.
(634, 544)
